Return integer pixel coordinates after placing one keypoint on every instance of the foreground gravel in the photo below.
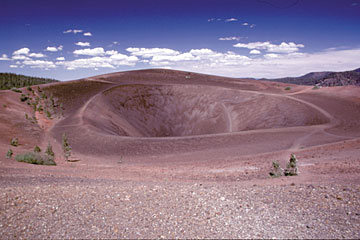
(112, 209)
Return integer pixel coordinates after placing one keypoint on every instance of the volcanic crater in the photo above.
(150, 110)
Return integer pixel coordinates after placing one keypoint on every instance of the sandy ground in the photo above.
(168, 154)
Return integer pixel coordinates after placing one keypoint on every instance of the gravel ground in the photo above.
(120, 209)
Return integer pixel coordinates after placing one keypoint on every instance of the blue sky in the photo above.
(69, 40)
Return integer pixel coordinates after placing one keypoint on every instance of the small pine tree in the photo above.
(291, 168)
(66, 147)
(48, 114)
(9, 154)
(37, 149)
(276, 170)
(49, 151)
(14, 142)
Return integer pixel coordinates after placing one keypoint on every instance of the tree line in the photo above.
(11, 80)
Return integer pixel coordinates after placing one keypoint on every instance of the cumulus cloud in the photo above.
(87, 34)
(231, 20)
(13, 66)
(204, 56)
(113, 61)
(24, 54)
(151, 52)
(20, 57)
(22, 51)
(4, 57)
(54, 49)
(165, 60)
(269, 47)
(245, 24)
(254, 51)
(271, 55)
(37, 55)
(276, 65)
(83, 44)
(60, 58)
(99, 51)
(75, 31)
(39, 64)
(230, 38)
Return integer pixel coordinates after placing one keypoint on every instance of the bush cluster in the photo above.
(291, 168)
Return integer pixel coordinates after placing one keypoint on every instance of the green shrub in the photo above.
(66, 147)
(14, 142)
(49, 151)
(23, 97)
(276, 170)
(291, 168)
(288, 88)
(29, 89)
(9, 154)
(35, 158)
(40, 108)
(37, 149)
(16, 90)
(48, 114)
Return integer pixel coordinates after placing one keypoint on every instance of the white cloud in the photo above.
(83, 44)
(231, 20)
(39, 64)
(100, 62)
(54, 49)
(252, 25)
(171, 58)
(60, 58)
(151, 52)
(24, 54)
(37, 55)
(269, 47)
(272, 66)
(4, 57)
(88, 34)
(271, 56)
(230, 38)
(254, 51)
(22, 51)
(75, 31)
(202, 52)
(20, 57)
(204, 57)
(245, 24)
(111, 52)
(99, 51)
(13, 66)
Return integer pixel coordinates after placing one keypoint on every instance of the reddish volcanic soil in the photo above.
(171, 154)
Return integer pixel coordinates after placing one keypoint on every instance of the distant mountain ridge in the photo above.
(11, 80)
(325, 79)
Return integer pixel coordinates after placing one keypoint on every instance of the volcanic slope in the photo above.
(161, 117)
(171, 154)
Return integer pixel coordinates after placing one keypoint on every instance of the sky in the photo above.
(69, 40)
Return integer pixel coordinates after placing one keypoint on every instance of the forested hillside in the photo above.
(11, 80)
